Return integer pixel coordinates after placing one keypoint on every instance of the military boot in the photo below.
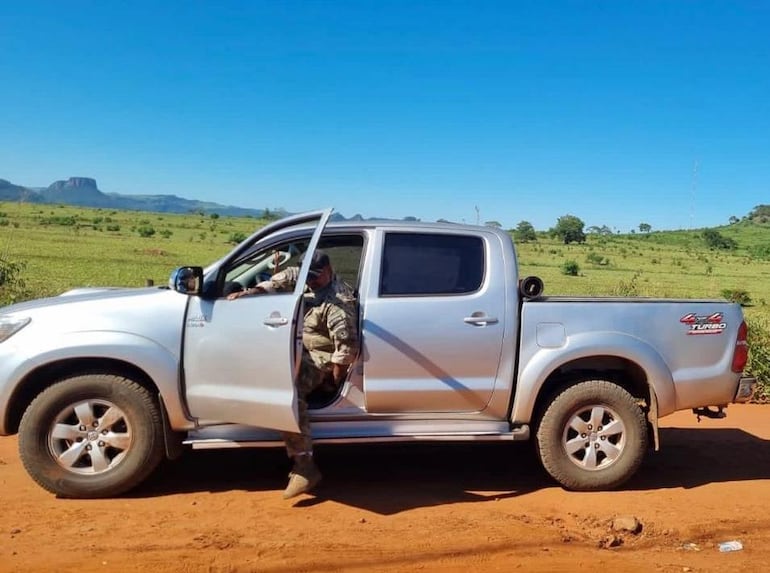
(303, 478)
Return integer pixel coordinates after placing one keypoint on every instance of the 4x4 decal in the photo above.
(709, 324)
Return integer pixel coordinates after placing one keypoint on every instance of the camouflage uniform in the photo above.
(329, 336)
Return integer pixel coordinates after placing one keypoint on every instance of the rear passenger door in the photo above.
(433, 322)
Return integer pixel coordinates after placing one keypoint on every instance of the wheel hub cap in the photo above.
(90, 437)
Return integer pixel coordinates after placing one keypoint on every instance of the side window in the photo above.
(431, 264)
(345, 255)
(259, 265)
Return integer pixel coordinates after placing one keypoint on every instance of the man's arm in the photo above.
(343, 331)
(285, 281)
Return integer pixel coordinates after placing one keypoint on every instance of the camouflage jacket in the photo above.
(330, 331)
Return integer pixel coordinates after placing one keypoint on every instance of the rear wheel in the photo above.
(91, 436)
(593, 436)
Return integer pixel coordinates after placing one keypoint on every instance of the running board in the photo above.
(200, 442)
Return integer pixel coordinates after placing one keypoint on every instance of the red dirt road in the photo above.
(410, 508)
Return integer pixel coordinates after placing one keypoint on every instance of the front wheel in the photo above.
(91, 436)
(593, 436)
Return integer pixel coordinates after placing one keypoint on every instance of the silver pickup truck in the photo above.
(101, 384)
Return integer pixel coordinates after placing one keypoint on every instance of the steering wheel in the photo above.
(281, 257)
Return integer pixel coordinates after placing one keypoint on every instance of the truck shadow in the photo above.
(691, 457)
(391, 478)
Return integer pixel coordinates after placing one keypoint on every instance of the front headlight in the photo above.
(10, 325)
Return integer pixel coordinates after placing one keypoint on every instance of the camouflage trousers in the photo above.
(309, 378)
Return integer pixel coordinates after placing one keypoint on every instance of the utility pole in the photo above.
(478, 219)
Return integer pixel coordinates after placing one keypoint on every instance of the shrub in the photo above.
(166, 234)
(759, 357)
(146, 231)
(715, 240)
(64, 221)
(12, 286)
(597, 259)
(740, 296)
(113, 228)
(570, 268)
(236, 238)
(629, 287)
(761, 252)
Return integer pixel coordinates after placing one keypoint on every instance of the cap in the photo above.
(318, 262)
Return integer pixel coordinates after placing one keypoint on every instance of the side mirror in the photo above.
(186, 280)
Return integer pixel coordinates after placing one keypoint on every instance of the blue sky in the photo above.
(617, 112)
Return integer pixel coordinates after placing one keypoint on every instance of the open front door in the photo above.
(240, 356)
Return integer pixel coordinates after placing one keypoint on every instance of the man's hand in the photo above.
(339, 371)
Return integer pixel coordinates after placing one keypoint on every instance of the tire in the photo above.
(91, 436)
(593, 436)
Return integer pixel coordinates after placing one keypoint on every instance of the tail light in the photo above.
(741, 355)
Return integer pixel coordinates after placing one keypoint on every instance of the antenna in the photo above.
(694, 190)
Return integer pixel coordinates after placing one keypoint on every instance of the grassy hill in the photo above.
(46, 249)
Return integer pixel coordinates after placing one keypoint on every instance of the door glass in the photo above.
(260, 265)
(431, 264)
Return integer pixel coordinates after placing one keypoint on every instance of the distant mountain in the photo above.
(83, 192)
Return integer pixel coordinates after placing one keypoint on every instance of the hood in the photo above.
(78, 295)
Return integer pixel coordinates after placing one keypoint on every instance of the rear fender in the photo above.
(534, 374)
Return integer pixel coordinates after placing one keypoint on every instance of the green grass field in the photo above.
(60, 247)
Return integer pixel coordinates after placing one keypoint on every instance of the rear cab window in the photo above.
(427, 264)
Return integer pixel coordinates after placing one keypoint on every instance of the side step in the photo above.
(199, 441)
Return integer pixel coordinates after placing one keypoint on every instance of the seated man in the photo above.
(330, 340)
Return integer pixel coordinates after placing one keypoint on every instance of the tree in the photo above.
(525, 232)
(760, 213)
(645, 227)
(493, 224)
(569, 229)
(603, 230)
(715, 240)
(733, 219)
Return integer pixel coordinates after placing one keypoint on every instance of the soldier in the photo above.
(330, 340)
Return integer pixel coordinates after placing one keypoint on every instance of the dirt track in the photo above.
(410, 508)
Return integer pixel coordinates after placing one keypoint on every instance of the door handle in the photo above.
(276, 321)
(480, 319)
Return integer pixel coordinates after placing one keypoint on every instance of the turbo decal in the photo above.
(710, 324)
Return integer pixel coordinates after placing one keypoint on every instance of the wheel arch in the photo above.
(625, 360)
(47, 374)
(620, 371)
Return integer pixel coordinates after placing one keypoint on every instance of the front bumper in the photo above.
(746, 387)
